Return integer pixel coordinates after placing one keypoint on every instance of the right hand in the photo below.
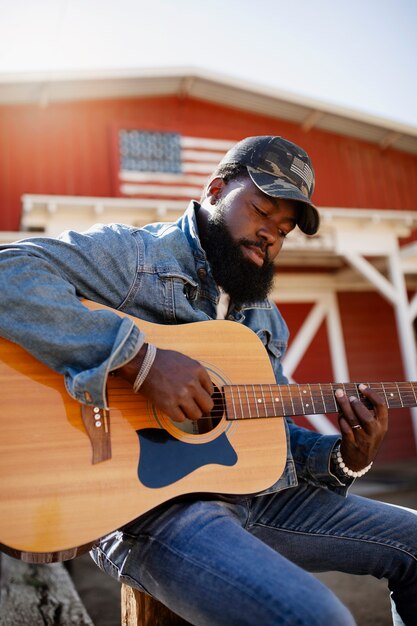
(178, 385)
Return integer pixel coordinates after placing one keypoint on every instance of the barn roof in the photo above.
(309, 113)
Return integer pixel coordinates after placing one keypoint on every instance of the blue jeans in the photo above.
(246, 561)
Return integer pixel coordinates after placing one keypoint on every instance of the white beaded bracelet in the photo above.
(145, 367)
(343, 467)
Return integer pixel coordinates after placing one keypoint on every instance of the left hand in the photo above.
(363, 430)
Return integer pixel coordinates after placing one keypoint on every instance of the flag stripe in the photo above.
(202, 155)
(199, 168)
(166, 165)
(156, 177)
(159, 191)
(207, 144)
(304, 172)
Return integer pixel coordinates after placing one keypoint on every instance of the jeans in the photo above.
(246, 561)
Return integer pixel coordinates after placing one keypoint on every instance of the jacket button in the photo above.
(202, 273)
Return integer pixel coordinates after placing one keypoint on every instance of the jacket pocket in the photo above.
(179, 293)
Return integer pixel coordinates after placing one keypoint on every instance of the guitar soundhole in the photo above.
(208, 422)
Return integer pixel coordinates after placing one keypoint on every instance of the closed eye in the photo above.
(259, 211)
(265, 215)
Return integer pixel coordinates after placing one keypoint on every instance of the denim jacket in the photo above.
(159, 273)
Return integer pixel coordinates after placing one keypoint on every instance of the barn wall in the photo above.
(373, 354)
(69, 148)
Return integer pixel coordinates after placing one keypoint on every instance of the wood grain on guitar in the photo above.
(67, 479)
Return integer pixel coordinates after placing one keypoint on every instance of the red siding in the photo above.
(67, 148)
(315, 366)
(373, 354)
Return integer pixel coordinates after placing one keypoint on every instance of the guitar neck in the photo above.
(252, 401)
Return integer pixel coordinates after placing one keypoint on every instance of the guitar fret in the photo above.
(240, 402)
(282, 399)
(247, 398)
(318, 403)
(414, 393)
(408, 393)
(312, 399)
(306, 399)
(378, 387)
(256, 404)
(301, 399)
(351, 389)
(278, 399)
(331, 405)
(291, 400)
(264, 401)
(391, 399)
(322, 397)
(385, 394)
(392, 392)
(232, 398)
(399, 395)
(272, 400)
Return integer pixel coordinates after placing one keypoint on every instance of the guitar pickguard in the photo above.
(165, 460)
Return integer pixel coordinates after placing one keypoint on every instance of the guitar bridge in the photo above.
(97, 424)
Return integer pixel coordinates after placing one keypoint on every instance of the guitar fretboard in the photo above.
(252, 401)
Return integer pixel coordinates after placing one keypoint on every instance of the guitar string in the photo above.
(331, 387)
(327, 397)
(270, 410)
(326, 391)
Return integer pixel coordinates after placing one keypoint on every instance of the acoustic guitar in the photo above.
(70, 473)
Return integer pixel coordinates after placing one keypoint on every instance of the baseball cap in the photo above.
(280, 169)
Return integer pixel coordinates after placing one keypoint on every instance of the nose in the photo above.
(268, 233)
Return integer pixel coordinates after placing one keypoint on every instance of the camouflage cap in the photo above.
(280, 169)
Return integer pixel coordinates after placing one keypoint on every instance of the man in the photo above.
(216, 561)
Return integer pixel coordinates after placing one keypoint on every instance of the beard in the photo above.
(241, 279)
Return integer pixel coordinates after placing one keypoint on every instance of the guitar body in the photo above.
(54, 498)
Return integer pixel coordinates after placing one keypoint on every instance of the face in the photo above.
(244, 234)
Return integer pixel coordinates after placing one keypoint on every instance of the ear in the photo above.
(214, 189)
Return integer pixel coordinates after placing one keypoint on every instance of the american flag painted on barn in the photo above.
(166, 164)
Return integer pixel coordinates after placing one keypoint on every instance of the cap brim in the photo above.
(309, 219)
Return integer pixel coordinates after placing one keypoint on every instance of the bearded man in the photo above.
(215, 560)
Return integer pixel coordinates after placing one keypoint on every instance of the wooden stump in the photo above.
(139, 609)
(38, 595)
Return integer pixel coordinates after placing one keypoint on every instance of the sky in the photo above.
(359, 54)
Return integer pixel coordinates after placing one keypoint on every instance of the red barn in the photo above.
(134, 147)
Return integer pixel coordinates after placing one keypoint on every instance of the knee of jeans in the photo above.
(321, 610)
(336, 615)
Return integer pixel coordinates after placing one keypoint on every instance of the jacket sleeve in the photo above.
(42, 281)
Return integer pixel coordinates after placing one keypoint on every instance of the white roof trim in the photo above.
(328, 214)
